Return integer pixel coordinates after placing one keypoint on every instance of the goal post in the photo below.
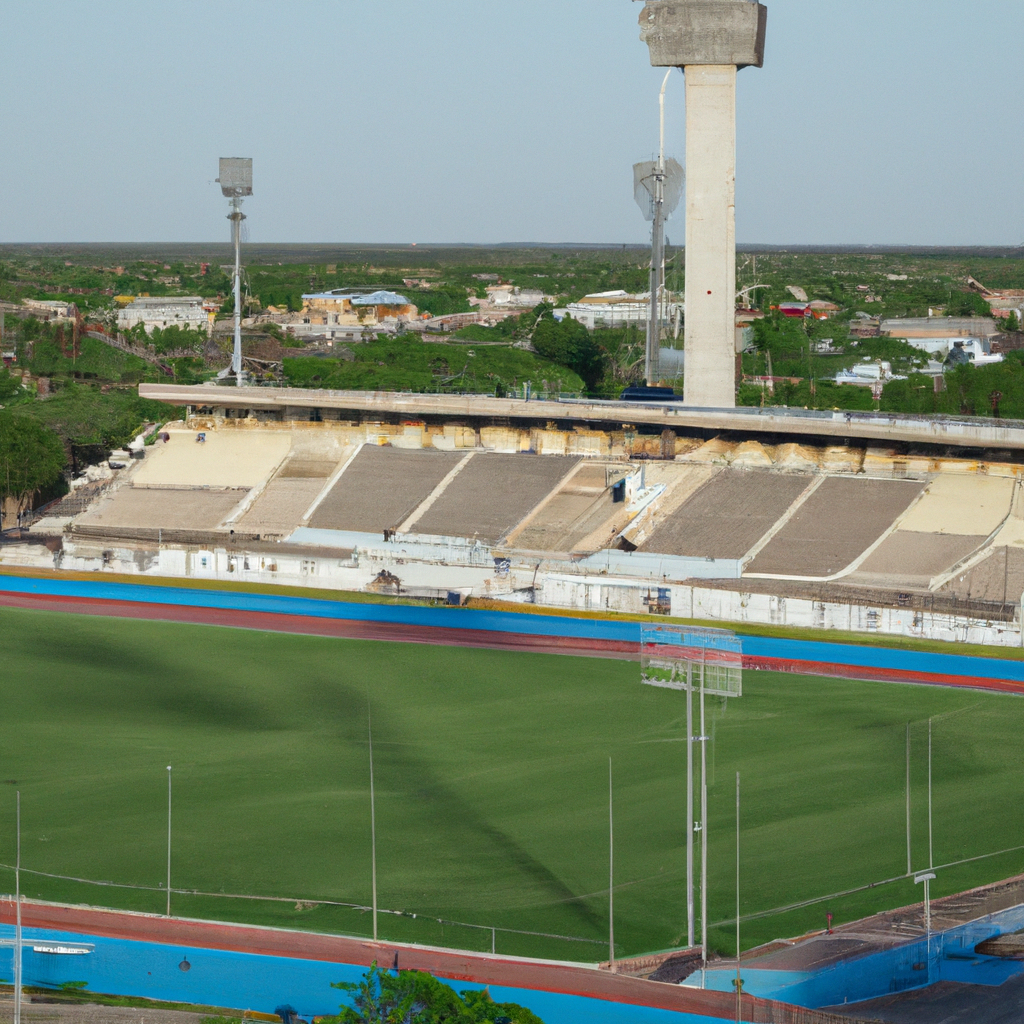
(673, 656)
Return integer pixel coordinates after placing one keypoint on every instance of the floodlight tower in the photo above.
(709, 40)
(657, 186)
(236, 183)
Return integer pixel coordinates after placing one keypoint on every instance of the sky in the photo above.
(890, 122)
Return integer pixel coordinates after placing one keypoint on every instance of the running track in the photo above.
(514, 631)
(453, 965)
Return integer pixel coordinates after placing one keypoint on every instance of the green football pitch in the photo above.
(491, 773)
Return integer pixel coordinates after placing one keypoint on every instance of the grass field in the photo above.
(491, 776)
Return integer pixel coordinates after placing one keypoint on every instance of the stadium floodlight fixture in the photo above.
(235, 176)
(235, 184)
(670, 657)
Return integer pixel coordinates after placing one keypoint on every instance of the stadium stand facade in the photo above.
(720, 528)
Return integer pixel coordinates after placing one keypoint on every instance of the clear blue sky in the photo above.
(873, 121)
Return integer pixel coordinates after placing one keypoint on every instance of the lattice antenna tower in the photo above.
(657, 189)
(236, 183)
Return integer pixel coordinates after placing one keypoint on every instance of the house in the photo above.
(342, 307)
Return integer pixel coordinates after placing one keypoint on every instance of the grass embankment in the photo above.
(491, 774)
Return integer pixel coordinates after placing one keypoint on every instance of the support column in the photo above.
(710, 380)
(709, 40)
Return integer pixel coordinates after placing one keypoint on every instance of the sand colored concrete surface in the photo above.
(999, 577)
(381, 488)
(493, 494)
(228, 458)
(281, 506)
(153, 508)
(906, 553)
(580, 508)
(836, 524)
(728, 515)
(968, 505)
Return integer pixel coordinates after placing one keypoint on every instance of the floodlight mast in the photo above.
(651, 372)
(235, 183)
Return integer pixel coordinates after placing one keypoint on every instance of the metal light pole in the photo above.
(689, 805)
(739, 980)
(168, 840)
(17, 917)
(373, 828)
(931, 855)
(657, 248)
(611, 874)
(236, 217)
(909, 869)
(703, 832)
(236, 183)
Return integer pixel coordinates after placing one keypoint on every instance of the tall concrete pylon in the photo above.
(710, 40)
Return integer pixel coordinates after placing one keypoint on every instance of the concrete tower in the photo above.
(709, 40)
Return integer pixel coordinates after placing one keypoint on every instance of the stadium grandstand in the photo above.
(569, 514)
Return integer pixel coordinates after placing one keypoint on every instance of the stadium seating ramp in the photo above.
(728, 515)
(382, 487)
(492, 495)
(834, 526)
(156, 508)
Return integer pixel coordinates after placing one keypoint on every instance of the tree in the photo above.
(569, 343)
(414, 997)
(31, 456)
(1012, 322)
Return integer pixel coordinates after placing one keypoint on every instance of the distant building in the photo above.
(185, 311)
(524, 298)
(350, 308)
(939, 327)
(617, 309)
(51, 307)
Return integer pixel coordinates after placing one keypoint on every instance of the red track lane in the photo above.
(456, 965)
(884, 675)
(348, 628)
(458, 637)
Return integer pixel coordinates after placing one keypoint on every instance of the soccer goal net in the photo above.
(674, 656)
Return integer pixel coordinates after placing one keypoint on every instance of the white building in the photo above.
(51, 307)
(164, 311)
(618, 309)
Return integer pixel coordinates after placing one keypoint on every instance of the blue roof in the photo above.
(381, 298)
